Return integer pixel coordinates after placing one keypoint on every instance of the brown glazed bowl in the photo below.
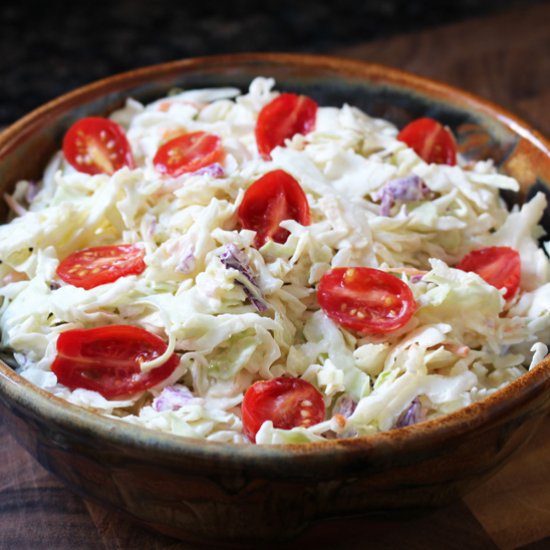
(222, 493)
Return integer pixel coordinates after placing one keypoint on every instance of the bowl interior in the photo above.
(482, 129)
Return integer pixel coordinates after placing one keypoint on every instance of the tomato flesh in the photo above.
(365, 300)
(107, 360)
(96, 145)
(500, 266)
(188, 153)
(91, 267)
(275, 197)
(287, 402)
(431, 141)
(287, 115)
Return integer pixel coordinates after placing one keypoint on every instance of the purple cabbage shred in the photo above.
(32, 191)
(233, 258)
(345, 406)
(412, 415)
(172, 398)
(407, 189)
(187, 262)
(215, 170)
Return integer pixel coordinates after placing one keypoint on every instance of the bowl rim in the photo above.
(479, 415)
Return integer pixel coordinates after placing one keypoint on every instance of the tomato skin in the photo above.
(94, 266)
(287, 115)
(500, 266)
(366, 300)
(432, 142)
(275, 197)
(188, 153)
(287, 402)
(107, 360)
(96, 145)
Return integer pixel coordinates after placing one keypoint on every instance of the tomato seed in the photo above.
(350, 275)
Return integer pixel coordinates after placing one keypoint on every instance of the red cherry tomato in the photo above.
(499, 266)
(275, 197)
(188, 153)
(96, 145)
(91, 267)
(107, 360)
(285, 116)
(366, 300)
(287, 402)
(431, 141)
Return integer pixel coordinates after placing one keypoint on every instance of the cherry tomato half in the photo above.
(499, 266)
(91, 267)
(188, 153)
(287, 402)
(96, 145)
(285, 116)
(430, 140)
(107, 360)
(366, 300)
(275, 197)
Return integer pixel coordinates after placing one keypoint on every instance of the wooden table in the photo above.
(504, 58)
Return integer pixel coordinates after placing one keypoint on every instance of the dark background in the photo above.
(50, 47)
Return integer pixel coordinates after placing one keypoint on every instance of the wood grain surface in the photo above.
(503, 58)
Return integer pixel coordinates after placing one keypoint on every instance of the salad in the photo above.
(256, 268)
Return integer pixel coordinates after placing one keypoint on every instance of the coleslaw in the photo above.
(235, 313)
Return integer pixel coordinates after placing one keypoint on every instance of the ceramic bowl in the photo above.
(234, 493)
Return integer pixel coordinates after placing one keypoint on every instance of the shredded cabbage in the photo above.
(236, 315)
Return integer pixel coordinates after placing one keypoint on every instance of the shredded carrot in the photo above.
(165, 105)
(407, 270)
(14, 277)
(460, 350)
(167, 135)
(340, 420)
(14, 205)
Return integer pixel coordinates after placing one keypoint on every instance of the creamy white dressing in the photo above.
(464, 341)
